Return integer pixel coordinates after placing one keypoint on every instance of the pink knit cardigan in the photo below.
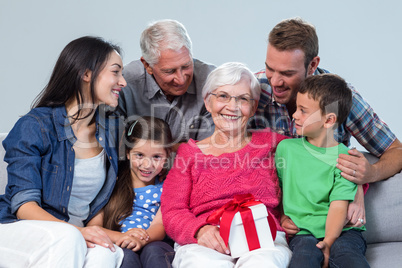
(198, 184)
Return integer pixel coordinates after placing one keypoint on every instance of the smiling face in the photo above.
(285, 71)
(110, 81)
(147, 159)
(173, 72)
(231, 116)
(309, 120)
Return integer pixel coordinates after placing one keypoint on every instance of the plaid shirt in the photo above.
(362, 123)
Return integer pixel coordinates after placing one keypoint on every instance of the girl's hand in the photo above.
(94, 235)
(138, 233)
(208, 236)
(130, 242)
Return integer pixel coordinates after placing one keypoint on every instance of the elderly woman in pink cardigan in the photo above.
(209, 173)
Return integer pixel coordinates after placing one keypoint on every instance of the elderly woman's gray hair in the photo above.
(161, 35)
(231, 73)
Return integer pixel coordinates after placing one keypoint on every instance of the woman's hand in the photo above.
(130, 242)
(138, 233)
(94, 235)
(208, 236)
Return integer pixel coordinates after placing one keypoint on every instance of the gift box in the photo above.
(237, 237)
(245, 225)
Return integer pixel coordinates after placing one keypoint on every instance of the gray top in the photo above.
(186, 114)
(89, 177)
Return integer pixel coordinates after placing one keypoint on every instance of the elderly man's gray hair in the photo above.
(162, 35)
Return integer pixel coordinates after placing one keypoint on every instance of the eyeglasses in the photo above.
(225, 98)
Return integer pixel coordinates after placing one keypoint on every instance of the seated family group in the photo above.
(123, 167)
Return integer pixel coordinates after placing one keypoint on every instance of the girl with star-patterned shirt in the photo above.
(137, 226)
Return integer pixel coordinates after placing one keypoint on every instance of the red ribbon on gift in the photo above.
(225, 214)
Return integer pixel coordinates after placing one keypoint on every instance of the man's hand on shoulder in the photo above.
(356, 168)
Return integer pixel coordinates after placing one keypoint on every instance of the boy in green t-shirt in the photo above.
(315, 195)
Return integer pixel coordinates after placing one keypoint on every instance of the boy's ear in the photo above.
(330, 120)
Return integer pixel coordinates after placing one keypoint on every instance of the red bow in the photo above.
(225, 214)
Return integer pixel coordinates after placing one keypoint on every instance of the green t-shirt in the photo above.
(310, 181)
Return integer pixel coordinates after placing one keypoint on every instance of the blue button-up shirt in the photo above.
(40, 157)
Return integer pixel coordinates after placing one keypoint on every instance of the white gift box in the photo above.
(237, 237)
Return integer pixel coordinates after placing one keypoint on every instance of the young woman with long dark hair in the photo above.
(62, 164)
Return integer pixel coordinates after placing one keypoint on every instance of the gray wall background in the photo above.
(359, 40)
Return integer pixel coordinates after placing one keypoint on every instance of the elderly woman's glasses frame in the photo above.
(226, 98)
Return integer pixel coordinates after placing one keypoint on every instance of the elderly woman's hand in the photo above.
(208, 236)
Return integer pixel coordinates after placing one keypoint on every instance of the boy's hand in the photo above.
(325, 250)
(290, 227)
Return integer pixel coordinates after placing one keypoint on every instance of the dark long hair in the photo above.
(120, 205)
(80, 55)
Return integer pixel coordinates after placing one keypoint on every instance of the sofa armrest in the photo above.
(383, 203)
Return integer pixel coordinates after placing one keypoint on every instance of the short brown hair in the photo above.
(295, 33)
(332, 93)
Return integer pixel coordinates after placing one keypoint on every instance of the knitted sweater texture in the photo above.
(198, 184)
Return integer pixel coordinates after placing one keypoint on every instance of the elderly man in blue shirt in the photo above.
(167, 82)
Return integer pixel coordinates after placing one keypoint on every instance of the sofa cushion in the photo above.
(384, 254)
(383, 202)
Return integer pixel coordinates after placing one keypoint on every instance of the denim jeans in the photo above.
(348, 250)
(155, 254)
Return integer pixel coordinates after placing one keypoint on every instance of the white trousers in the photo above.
(194, 256)
(44, 244)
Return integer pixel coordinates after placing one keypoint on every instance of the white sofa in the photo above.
(383, 203)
